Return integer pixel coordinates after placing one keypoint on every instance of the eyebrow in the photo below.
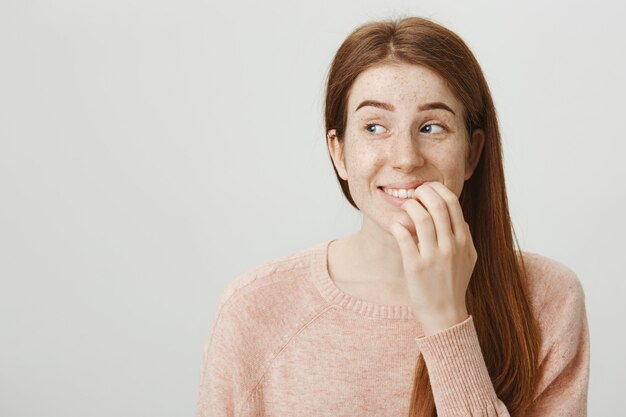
(390, 107)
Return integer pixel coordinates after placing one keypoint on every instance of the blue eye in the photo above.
(428, 126)
(367, 126)
(433, 124)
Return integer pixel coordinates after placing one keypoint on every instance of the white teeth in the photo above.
(400, 193)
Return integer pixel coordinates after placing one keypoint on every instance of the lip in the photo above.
(412, 184)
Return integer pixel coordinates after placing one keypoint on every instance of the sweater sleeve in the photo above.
(223, 374)
(564, 371)
(461, 383)
(458, 374)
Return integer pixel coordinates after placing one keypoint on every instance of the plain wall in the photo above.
(152, 151)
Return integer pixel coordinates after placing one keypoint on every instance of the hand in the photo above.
(438, 267)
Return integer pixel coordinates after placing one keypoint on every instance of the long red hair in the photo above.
(497, 295)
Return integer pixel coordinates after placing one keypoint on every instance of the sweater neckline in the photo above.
(334, 295)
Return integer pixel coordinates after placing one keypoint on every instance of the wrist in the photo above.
(432, 323)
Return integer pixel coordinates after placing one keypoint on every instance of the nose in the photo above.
(405, 153)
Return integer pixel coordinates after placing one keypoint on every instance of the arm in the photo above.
(222, 387)
(461, 384)
(458, 374)
(564, 372)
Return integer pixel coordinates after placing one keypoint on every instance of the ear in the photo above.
(475, 151)
(336, 153)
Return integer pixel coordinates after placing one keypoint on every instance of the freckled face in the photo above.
(405, 142)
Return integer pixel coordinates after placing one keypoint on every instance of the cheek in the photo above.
(363, 161)
(454, 182)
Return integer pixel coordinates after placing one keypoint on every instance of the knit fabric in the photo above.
(285, 341)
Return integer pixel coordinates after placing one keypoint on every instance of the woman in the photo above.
(428, 309)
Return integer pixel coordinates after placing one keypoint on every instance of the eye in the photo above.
(430, 125)
(367, 126)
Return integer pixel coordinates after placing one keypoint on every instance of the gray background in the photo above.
(151, 151)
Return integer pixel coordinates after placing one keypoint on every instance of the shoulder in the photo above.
(550, 281)
(257, 315)
(266, 303)
(277, 280)
(557, 298)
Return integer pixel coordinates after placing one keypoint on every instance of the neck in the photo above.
(377, 252)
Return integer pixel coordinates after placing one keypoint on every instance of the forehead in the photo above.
(406, 86)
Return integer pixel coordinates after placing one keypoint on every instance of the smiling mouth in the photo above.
(406, 193)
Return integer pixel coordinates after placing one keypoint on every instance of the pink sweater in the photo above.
(286, 342)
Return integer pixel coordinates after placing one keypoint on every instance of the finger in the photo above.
(457, 220)
(438, 209)
(424, 226)
(408, 248)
